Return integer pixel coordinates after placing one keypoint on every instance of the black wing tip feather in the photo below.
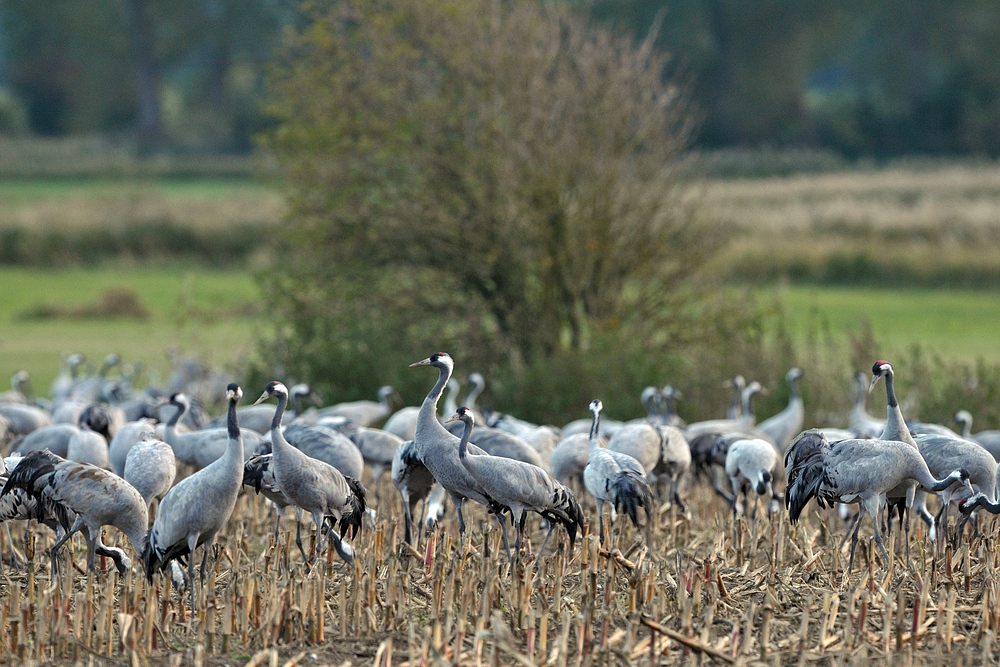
(351, 522)
(631, 492)
(804, 462)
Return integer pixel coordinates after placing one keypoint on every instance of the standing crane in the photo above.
(614, 478)
(313, 485)
(520, 487)
(193, 512)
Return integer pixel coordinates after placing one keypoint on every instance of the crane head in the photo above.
(273, 388)
(596, 406)
(233, 392)
(879, 369)
(463, 414)
(436, 359)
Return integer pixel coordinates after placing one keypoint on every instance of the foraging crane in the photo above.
(53, 437)
(944, 453)
(437, 448)
(97, 497)
(855, 471)
(413, 481)
(196, 509)
(150, 467)
(520, 487)
(126, 438)
(87, 446)
(569, 458)
(201, 448)
(24, 419)
(614, 478)
(787, 424)
(670, 396)
(750, 464)
(70, 371)
(313, 485)
(19, 505)
(662, 451)
(990, 440)
(363, 413)
(258, 474)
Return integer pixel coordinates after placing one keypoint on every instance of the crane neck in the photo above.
(234, 449)
(861, 401)
(595, 429)
(474, 392)
(427, 416)
(279, 412)
(181, 409)
(463, 446)
(895, 425)
(736, 405)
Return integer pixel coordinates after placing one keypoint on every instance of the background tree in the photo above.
(497, 177)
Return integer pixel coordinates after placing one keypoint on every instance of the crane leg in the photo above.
(192, 545)
(407, 517)
(53, 553)
(461, 519)
(854, 541)
(600, 520)
(14, 563)
(298, 533)
(503, 528)
(675, 492)
(872, 506)
(548, 534)
(204, 557)
(520, 534)
(277, 523)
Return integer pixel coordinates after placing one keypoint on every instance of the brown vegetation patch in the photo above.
(115, 303)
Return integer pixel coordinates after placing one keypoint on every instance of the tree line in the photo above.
(878, 78)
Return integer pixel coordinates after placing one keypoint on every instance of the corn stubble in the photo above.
(698, 593)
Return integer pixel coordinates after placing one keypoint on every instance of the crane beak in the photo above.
(874, 382)
(263, 397)
(453, 418)
(424, 362)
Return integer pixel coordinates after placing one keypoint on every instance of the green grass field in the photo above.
(955, 324)
(213, 315)
(205, 313)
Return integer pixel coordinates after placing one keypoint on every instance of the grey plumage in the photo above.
(569, 458)
(785, 425)
(126, 438)
(327, 445)
(150, 467)
(669, 397)
(313, 485)
(88, 446)
(520, 487)
(500, 443)
(403, 422)
(199, 506)
(735, 410)
(258, 417)
(23, 419)
(54, 437)
(854, 471)
(990, 440)
(377, 447)
(363, 413)
(750, 464)
(97, 497)
(614, 478)
(944, 453)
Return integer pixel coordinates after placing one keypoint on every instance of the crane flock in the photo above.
(79, 463)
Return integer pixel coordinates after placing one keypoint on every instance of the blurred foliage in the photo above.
(497, 180)
(879, 78)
